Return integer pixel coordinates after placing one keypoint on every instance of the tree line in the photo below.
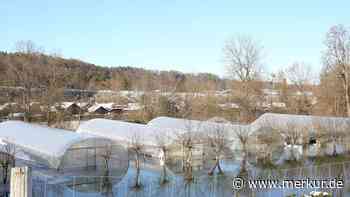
(297, 87)
(244, 61)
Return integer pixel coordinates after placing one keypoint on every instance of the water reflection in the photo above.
(208, 186)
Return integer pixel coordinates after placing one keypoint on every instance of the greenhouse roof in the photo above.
(124, 131)
(40, 140)
(281, 120)
(191, 125)
(267, 119)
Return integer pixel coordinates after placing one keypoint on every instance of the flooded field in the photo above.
(202, 185)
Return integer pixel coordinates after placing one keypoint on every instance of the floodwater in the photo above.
(201, 186)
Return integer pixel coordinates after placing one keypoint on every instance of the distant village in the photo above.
(130, 105)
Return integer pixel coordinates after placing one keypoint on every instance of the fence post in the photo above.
(21, 182)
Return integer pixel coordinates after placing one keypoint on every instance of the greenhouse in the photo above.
(201, 127)
(125, 132)
(305, 121)
(58, 149)
(278, 121)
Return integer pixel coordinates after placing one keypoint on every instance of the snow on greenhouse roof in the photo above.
(123, 131)
(39, 139)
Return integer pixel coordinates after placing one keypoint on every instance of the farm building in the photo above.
(98, 109)
(70, 107)
(59, 149)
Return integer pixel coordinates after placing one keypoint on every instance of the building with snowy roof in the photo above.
(57, 149)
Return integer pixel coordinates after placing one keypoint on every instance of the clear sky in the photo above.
(183, 35)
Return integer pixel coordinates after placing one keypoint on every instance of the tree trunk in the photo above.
(334, 147)
(347, 99)
(346, 87)
(164, 179)
(211, 172)
(48, 115)
(293, 157)
(189, 176)
(219, 167)
(137, 166)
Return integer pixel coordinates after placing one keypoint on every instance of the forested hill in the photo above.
(39, 70)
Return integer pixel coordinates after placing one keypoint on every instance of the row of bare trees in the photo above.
(244, 60)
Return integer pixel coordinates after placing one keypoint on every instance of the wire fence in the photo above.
(201, 186)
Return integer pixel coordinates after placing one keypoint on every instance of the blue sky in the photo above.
(183, 35)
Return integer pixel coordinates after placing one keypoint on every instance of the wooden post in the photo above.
(21, 182)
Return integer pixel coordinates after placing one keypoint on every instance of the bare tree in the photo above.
(187, 140)
(26, 72)
(300, 76)
(107, 185)
(137, 147)
(331, 131)
(243, 58)
(270, 138)
(293, 134)
(107, 156)
(53, 87)
(337, 57)
(243, 134)
(218, 142)
(163, 142)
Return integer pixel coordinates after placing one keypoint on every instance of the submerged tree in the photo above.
(294, 135)
(187, 141)
(332, 131)
(243, 134)
(187, 147)
(270, 139)
(107, 156)
(163, 142)
(136, 147)
(218, 142)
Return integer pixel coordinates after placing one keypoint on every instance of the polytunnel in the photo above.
(57, 148)
(125, 132)
(282, 120)
(202, 127)
(275, 120)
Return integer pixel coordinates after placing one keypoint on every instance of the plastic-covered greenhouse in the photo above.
(186, 125)
(268, 119)
(125, 132)
(60, 149)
